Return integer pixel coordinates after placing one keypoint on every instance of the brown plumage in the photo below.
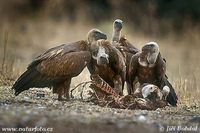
(149, 67)
(147, 74)
(57, 66)
(128, 50)
(121, 43)
(124, 46)
(108, 63)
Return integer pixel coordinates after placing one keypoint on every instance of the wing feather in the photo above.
(163, 80)
(160, 68)
(132, 72)
(54, 66)
(61, 49)
(69, 64)
(127, 46)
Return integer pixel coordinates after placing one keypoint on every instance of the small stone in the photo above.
(28, 111)
(42, 122)
(26, 98)
(115, 112)
(56, 102)
(158, 110)
(141, 118)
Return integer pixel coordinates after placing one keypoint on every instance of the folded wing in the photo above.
(54, 66)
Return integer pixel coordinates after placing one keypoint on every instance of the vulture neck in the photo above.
(116, 35)
(92, 42)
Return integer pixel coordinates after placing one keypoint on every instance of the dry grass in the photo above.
(6, 72)
(28, 38)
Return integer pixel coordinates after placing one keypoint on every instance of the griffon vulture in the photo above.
(149, 67)
(117, 27)
(57, 66)
(121, 43)
(108, 63)
(124, 46)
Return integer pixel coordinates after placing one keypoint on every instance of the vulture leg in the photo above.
(67, 88)
(118, 85)
(62, 89)
(60, 94)
(129, 88)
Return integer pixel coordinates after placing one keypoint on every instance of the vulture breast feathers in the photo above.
(149, 67)
(109, 64)
(64, 60)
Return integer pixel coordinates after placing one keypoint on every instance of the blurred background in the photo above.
(28, 27)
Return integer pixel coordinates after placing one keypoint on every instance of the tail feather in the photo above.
(30, 78)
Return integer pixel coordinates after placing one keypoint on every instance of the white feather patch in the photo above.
(142, 63)
(146, 90)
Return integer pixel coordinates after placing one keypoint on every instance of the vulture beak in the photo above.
(118, 24)
(94, 35)
(151, 58)
(152, 50)
(103, 36)
(102, 56)
(99, 53)
(103, 59)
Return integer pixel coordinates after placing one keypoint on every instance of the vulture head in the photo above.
(148, 90)
(117, 24)
(94, 35)
(100, 53)
(151, 91)
(149, 54)
(117, 27)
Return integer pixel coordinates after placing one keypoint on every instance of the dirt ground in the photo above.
(79, 116)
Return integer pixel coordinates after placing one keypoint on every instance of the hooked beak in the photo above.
(118, 26)
(103, 36)
(151, 58)
(103, 60)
